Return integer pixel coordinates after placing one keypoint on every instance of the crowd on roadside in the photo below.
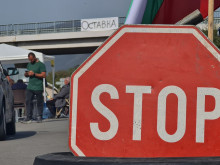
(36, 72)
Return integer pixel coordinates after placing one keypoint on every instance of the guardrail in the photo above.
(44, 27)
(216, 18)
(57, 27)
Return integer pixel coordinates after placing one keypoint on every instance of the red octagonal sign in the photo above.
(148, 91)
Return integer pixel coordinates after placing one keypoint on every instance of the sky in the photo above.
(33, 11)
(28, 11)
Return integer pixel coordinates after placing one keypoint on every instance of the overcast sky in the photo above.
(28, 11)
(32, 11)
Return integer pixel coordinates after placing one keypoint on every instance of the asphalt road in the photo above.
(34, 139)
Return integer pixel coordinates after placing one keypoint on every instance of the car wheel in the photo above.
(10, 127)
(2, 124)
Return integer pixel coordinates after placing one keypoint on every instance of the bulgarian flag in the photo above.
(165, 11)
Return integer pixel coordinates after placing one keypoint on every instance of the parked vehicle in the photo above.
(7, 113)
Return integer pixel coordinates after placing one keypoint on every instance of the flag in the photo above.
(142, 11)
(166, 11)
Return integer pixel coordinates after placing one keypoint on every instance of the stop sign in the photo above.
(148, 91)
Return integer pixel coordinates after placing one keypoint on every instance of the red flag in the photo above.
(173, 11)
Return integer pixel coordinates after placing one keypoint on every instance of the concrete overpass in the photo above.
(59, 43)
(60, 37)
(52, 38)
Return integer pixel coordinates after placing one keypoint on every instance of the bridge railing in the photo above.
(44, 27)
(217, 17)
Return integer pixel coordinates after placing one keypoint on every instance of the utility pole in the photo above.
(210, 19)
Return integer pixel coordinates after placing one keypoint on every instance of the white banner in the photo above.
(99, 24)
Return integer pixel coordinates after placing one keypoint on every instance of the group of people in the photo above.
(36, 72)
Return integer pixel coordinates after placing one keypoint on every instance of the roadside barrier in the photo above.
(67, 158)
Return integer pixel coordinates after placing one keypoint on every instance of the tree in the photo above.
(60, 74)
(216, 39)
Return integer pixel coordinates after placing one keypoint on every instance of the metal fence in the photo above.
(58, 26)
(44, 27)
(217, 17)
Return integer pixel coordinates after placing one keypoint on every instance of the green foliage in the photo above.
(60, 74)
(216, 39)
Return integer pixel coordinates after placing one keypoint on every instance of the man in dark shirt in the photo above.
(19, 85)
(36, 72)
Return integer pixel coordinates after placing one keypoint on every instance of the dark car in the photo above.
(7, 113)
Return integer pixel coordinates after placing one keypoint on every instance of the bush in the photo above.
(216, 39)
(60, 74)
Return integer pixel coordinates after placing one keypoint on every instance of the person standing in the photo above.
(36, 71)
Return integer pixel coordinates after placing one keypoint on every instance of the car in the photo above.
(7, 113)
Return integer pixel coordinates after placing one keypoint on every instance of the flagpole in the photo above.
(210, 19)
